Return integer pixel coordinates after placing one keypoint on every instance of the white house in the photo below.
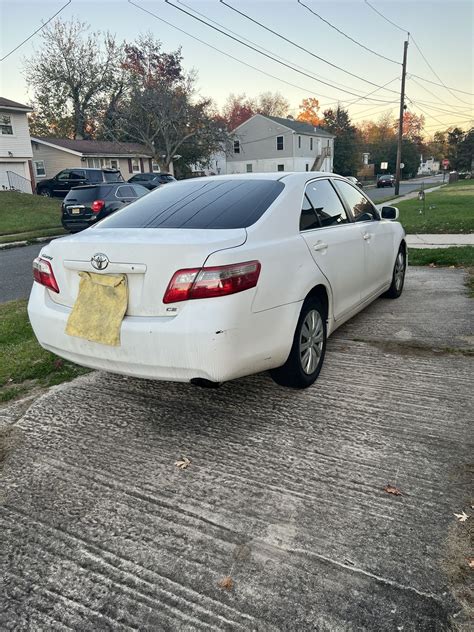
(271, 143)
(15, 146)
(428, 166)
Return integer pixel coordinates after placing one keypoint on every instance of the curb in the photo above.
(28, 242)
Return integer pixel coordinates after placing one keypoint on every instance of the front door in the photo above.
(335, 244)
(376, 236)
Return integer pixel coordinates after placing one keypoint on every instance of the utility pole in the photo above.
(400, 122)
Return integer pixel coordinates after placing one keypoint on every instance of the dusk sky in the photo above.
(443, 30)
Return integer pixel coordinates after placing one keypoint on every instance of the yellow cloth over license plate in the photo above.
(99, 308)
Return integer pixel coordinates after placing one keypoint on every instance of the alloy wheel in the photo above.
(311, 341)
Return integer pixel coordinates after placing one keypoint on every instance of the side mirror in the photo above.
(390, 212)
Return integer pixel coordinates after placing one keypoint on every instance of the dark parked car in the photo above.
(385, 181)
(68, 178)
(152, 180)
(85, 206)
(355, 181)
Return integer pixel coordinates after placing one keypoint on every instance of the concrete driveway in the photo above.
(281, 521)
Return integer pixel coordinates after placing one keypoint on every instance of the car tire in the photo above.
(398, 275)
(312, 322)
(45, 193)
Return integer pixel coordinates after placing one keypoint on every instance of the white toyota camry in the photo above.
(221, 277)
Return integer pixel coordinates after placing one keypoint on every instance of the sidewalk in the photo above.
(408, 196)
(439, 241)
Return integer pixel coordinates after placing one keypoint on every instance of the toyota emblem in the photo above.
(100, 261)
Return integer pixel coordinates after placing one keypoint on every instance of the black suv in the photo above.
(68, 178)
(85, 206)
(152, 180)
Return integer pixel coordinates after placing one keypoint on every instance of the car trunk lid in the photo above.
(148, 258)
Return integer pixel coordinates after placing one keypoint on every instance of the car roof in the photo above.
(285, 176)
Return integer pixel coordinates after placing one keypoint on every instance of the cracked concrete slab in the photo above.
(284, 493)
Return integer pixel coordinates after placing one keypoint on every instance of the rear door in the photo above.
(335, 244)
(377, 237)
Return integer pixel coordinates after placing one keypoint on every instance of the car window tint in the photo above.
(326, 203)
(125, 191)
(202, 203)
(76, 175)
(95, 176)
(112, 176)
(308, 218)
(82, 194)
(361, 207)
(139, 190)
(64, 175)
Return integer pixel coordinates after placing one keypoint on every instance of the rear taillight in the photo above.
(97, 205)
(210, 282)
(43, 274)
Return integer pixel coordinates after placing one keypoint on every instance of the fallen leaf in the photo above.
(58, 363)
(462, 517)
(471, 562)
(432, 265)
(184, 463)
(390, 489)
(226, 583)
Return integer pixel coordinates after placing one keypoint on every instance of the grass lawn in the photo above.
(23, 213)
(459, 256)
(453, 210)
(25, 366)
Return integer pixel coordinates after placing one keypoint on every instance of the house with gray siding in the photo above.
(271, 143)
(15, 146)
(52, 155)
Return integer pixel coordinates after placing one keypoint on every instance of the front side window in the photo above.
(40, 171)
(95, 176)
(326, 204)
(361, 207)
(279, 143)
(236, 146)
(6, 126)
(63, 175)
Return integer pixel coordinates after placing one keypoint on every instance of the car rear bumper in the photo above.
(213, 339)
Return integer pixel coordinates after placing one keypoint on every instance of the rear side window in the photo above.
(112, 176)
(125, 191)
(95, 176)
(326, 204)
(199, 203)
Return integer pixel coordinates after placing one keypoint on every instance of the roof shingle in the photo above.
(8, 103)
(300, 126)
(97, 147)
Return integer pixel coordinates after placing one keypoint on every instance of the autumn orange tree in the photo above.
(308, 113)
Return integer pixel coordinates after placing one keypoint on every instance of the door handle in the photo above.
(320, 245)
(367, 236)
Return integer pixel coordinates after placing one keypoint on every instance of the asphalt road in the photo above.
(17, 276)
(405, 187)
(284, 495)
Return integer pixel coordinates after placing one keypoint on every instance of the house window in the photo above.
(280, 143)
(155, 167)
(299, 142)
(249, 168)
(311, 144)
(6, 125)
(93, 163)
(280, 167)
(307, 167)
(136, 165)
(236, 146)
(40, 171)
(114, 164)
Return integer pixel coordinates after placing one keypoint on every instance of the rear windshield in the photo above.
(112, 176)
(199, 204)
(87, 194)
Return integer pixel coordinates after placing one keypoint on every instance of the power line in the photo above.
(337, 85)
(442, 84)
(289, 41)
(400, 28)
(37, 31)
(438, 109)
(240, 61)
(370, 50)
(439, 99)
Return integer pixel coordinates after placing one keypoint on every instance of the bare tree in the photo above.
(73, 74)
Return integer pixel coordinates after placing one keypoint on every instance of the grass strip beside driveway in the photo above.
(452, 210)
(26, 366)
(459, 256)
(23, 213)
